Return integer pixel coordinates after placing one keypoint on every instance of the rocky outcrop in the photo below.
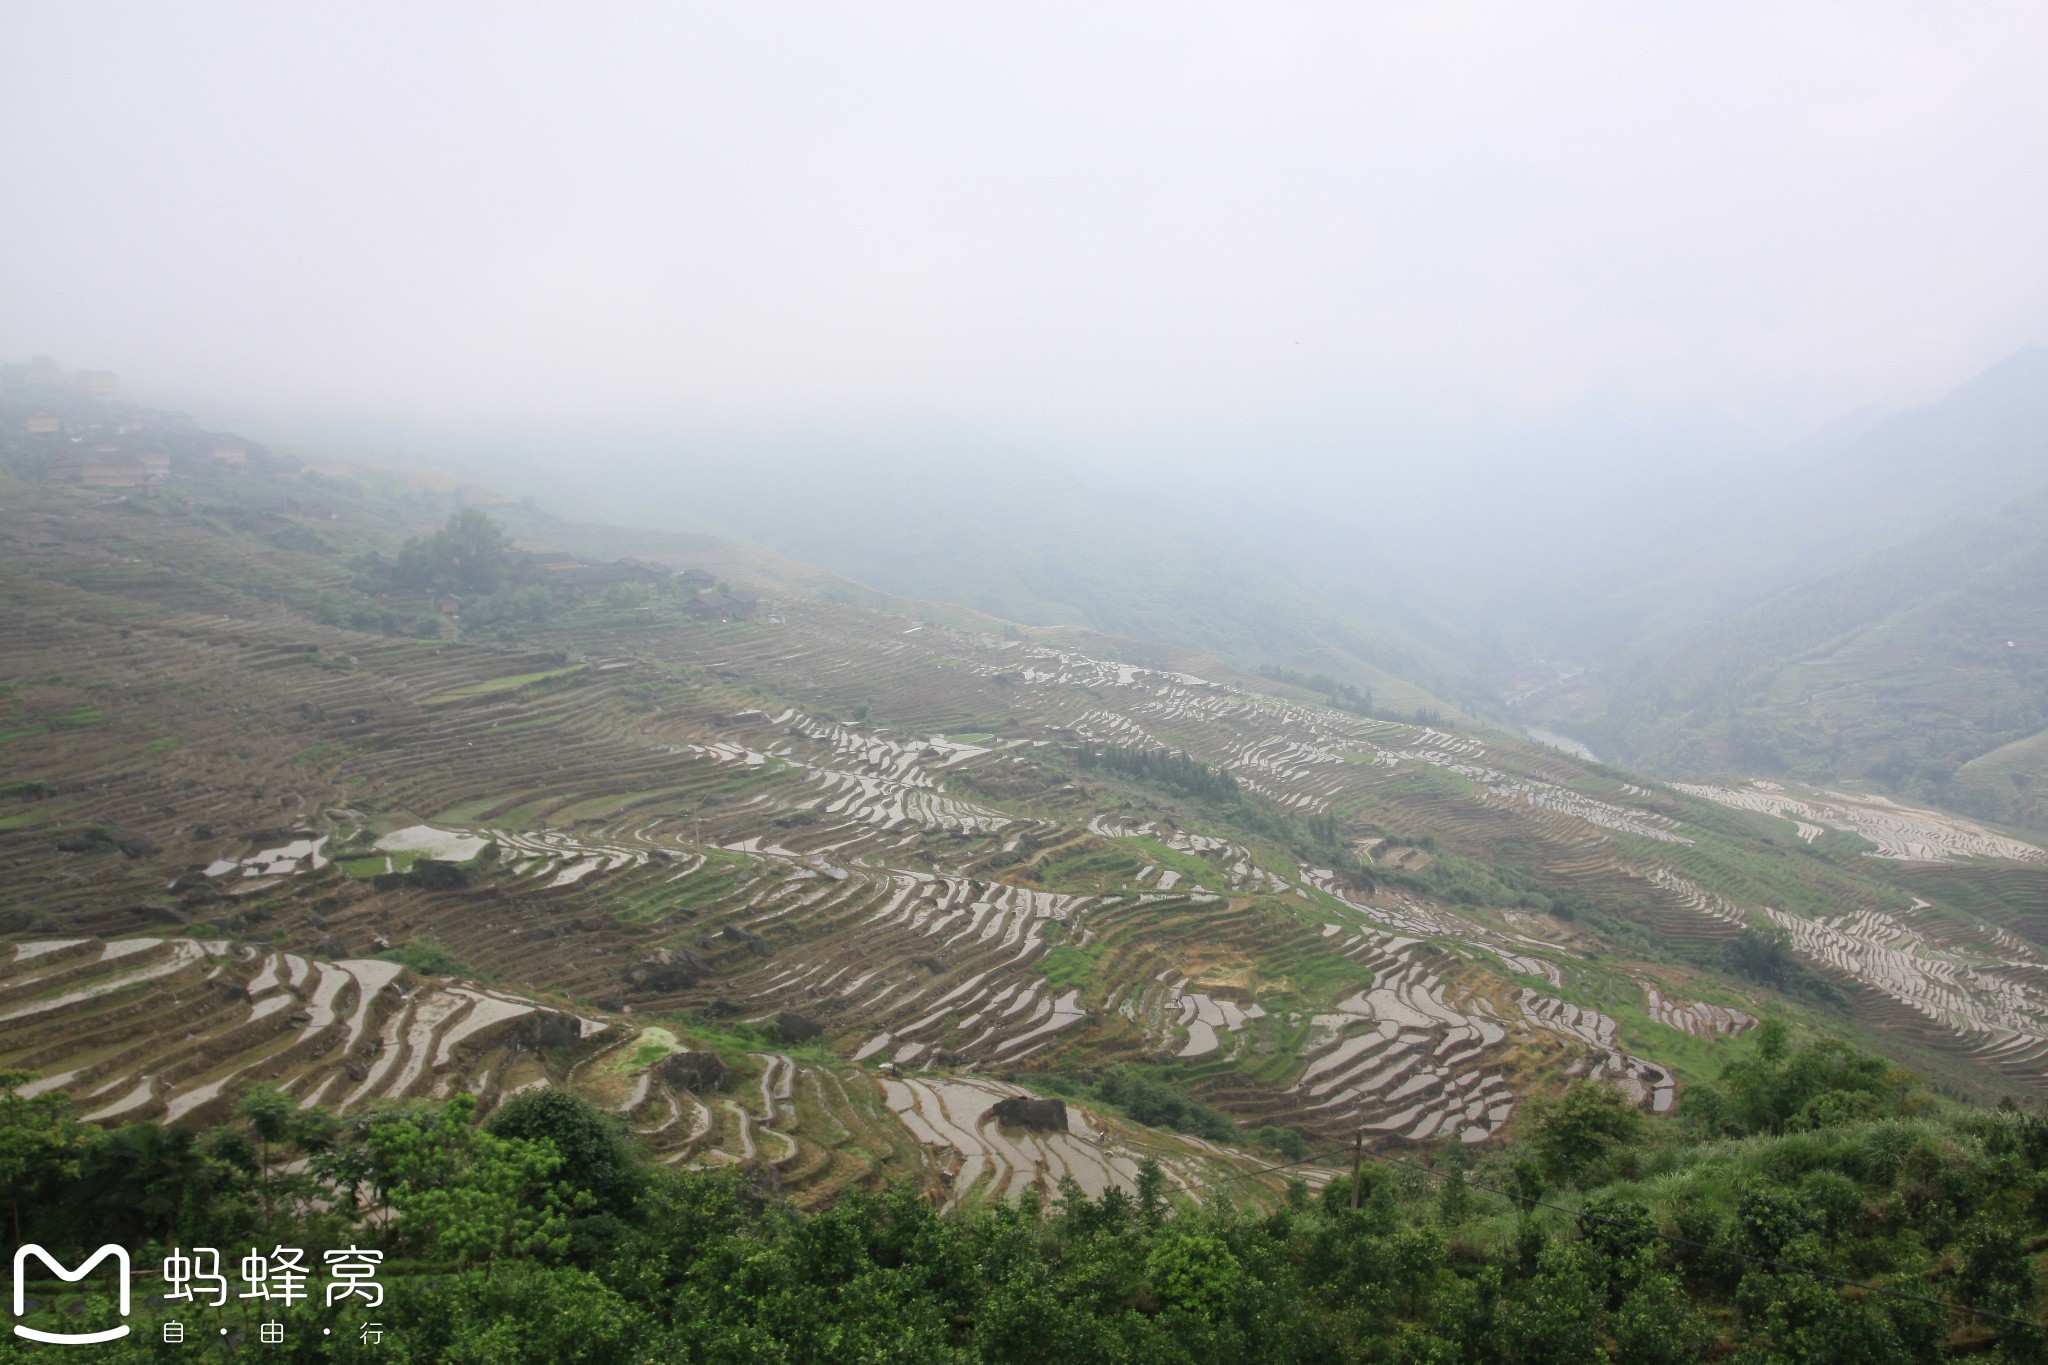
(1026, 1111)
(797, 1028)
(665, 970)
(437, 875)
(755, 944)
(132, 843)
(699, 1071)
(548, 1029)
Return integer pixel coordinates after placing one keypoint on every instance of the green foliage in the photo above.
(1068, 968)
(1764, 955)
(1173, 771)
(1825, 1083)
(1342, 696)
(40, 1144)
(427, 959)
(1155, 1098)
(1453, 1197)
(1291, 1143)
(1150, 1095)
(591, 1144)
(464, 1194)
(500, 1246)
(1589, 1123)
(466, 555)
(507, 609)
(526, 1312)
(367, 614)
(1317, 837)
(1468, 881)
(1655, 1323)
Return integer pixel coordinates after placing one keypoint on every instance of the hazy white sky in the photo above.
(1104, 226)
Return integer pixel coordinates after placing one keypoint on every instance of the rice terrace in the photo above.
(814, 893)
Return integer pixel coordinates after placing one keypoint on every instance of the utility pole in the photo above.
(1357, 1164)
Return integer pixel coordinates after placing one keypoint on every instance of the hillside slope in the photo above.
(940, 519)
(1904, 671)
(877, 863)
(1759, 528)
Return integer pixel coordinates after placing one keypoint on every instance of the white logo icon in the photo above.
(21, 1256)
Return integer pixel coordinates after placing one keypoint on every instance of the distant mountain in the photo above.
(1756, 528)
(1920, 669)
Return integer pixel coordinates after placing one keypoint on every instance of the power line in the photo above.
(1581, 1215)
(1283, 1166)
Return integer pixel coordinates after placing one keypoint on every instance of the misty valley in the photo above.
(371, 834)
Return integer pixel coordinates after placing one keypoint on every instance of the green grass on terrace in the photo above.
(1190, 866)
(505, 684)
(1069, 968)
(533, 723)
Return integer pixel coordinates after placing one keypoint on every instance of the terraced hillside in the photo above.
(885, 872)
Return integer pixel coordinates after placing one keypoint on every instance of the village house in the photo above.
(98, 383)
(695, 579)
(101, 471)
(718, 606)
(42, 424)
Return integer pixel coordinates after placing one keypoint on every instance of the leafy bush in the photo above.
(427, 959)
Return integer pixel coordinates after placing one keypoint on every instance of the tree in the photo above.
(1823, 1084)
(40, 1143)
(1453, 1196)
(1526, 1179)
(1151, 1191)
(1997, 1272)
(1588, 1122)
(526, 1312)
(466, 555)
(269, 1111)
(1195, 1274)
(1557, 1317)
(1656, 1324)
(594, 1153)
(467, 1194)
(148, 1181)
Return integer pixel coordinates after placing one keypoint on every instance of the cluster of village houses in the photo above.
(98, 446)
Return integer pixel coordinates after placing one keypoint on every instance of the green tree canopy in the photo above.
(466, 555)
(1590, 1120)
